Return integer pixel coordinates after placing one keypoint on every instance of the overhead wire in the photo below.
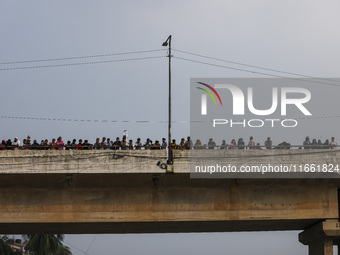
(84, 252)
(254, 72)
(80, 57)
(90, 244)
(257, 67)
(152, 57)
(78, 64)
(143, 121)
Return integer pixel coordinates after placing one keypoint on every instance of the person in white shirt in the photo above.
(164, 144)
(251, 143)
(138, 144)
(16, 143)
(333, 144)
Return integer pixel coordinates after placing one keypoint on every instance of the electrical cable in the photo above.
(157, 50)
(143, 121)
(78, 64)
(90, 244)
(258, 67)
(76, 248)
(254, 72)
(80, 57)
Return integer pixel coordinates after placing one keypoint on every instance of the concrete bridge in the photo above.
(101, 191)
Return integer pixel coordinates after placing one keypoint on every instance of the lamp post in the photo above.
(166, 43)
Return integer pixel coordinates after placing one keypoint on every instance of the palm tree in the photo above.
(47, 244)
(5, 248)
(64, 250)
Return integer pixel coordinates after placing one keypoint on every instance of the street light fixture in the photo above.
(168, 43)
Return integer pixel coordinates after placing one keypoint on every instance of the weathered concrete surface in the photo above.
(171, 202)
(91, 161)
(90, 192)
(144, 161)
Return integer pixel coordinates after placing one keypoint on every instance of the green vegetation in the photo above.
(5, 248)
(46, 244)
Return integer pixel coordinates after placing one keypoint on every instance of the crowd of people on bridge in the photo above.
(184, 144)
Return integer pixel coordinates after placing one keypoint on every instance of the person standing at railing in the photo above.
(211, 144)
(80, 145)
(74, 144)
(8, 144)
(103, 143)
(306, 143)
(156, 145)
(107, 144)
(16, 143)
(3, 145)
(53, 144)
(251, 143)
(326, 144)
(138, 144)
(198, 145)
(25, 146)
(174, 145)
(314, 144)
(224, 145)
(123, 143)
(232, 145)
(116, 145)
(46, 147)
(68, 145)
(27, 142)
(164, 144)
(188, 144)
(86, 145)
(182, 144)
(268, 143)
(130, 145)
(333, 143)
(96, 145)
(240, 144)
(147, 144)
(35, 145)
(60, 143)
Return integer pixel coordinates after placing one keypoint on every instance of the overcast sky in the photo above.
(298, 36)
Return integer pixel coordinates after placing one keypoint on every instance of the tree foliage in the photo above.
(5, 248)
(47, 244)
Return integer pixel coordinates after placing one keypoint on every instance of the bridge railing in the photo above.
(202, 147)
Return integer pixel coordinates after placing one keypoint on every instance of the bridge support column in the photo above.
(321, 237)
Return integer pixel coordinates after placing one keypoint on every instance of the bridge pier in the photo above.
(321, 237)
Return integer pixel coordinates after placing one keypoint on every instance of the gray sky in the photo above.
(256, 243)
(289, 35)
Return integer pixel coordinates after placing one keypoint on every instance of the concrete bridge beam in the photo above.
(321, 237)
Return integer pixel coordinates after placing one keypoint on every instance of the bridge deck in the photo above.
(91, 192)
(145, 161)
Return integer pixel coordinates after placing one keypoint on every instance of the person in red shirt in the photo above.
(80, 145)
